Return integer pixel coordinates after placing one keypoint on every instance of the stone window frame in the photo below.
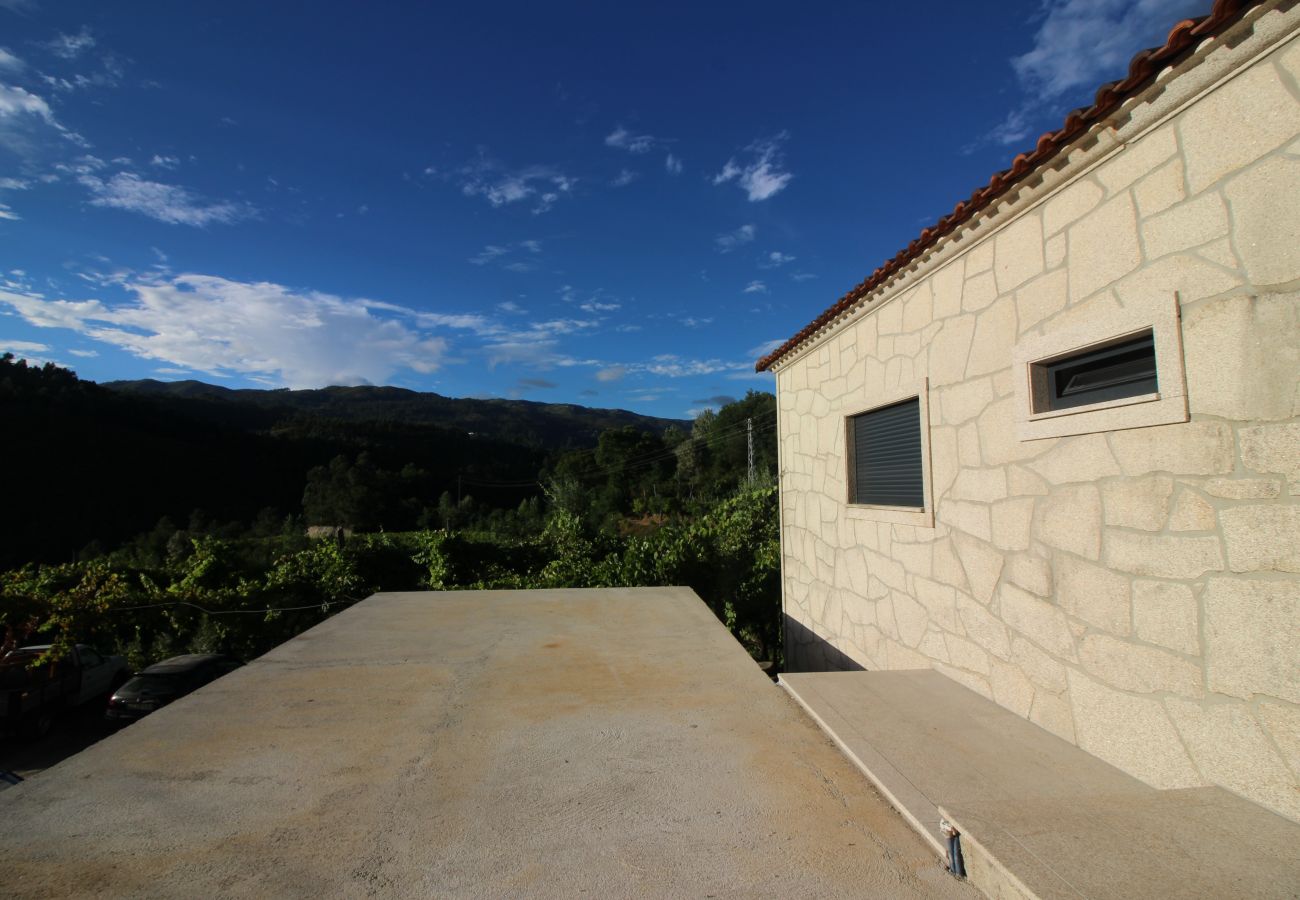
(899, 515)
(1168, 405)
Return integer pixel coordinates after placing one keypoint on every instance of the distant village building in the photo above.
(1051, 450)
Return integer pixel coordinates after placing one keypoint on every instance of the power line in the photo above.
(767, 421)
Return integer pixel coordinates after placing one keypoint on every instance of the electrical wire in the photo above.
(766, 422)
(231, 612)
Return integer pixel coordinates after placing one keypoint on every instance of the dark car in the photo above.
(166, 681)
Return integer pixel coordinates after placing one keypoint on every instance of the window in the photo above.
(887, 459)
(1122, 370)
(1113, 372)
(887, 456)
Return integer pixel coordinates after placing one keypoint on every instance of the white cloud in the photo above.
(70, 46)
(762, 176)
(15, 102)
(1017, 126)
(673, 164)
(802, 276)
(260, 330)
(510, 306)
(673, 366)
(732, 240)
(165, 162)
(612, 373)
(165, 202)
(87, 354)
(20, 347)
(764, 348)
(1080, 43)
(10, 62)
(623, 139)
(461, 321)
(729, 171)
(513, 257)
(776, 259)
(487, 254)
(14, 184)
(501, 187)
(756, 287)
(694, 322)
(624, 178)
(7, 213)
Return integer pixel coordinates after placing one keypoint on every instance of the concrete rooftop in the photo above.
(484, 744)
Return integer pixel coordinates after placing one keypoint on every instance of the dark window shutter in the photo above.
(887, 456)
(1123, 370)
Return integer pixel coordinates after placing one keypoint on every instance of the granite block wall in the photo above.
(1135, 591)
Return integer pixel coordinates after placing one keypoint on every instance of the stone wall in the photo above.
(1135, 591)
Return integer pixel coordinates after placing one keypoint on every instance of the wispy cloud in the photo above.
(14, 184)
(623, 139)
(762, 175)
(756, 287)
(1082, 42)
(775, 260)
(802, 276)
(18, 348)
(70, 46)
(262, 330)
(612, 373)
(16, 102)
(540, 185)
(732, 240)
(537, 383)
(764, 348)
(165, 162)
(10, 62)
(674, 366)
(6, 212)
(696, 321)
(167, 203)
(1078, 45)
(673, 164)
(516, 257)
(624, 178)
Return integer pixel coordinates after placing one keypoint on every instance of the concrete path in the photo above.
(1040, 817)
(606, 743)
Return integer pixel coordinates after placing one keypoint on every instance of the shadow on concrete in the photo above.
(806, 651)
(72, 732)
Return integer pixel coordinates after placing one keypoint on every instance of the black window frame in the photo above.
(903, 447)
(1119, 370)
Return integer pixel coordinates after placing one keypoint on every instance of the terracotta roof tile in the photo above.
(1142, 70)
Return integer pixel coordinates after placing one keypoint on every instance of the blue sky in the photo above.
(616, 205)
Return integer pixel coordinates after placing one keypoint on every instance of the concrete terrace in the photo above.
(485, 744)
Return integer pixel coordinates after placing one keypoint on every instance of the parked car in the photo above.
(31, 696)
(165, 682)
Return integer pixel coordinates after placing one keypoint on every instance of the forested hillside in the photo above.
(87, 467)
(177, 522)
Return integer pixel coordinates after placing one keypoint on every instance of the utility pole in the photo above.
(749, 433)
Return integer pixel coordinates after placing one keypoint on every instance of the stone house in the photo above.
(1051, 449)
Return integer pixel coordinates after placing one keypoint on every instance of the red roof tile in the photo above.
(1142, 70)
